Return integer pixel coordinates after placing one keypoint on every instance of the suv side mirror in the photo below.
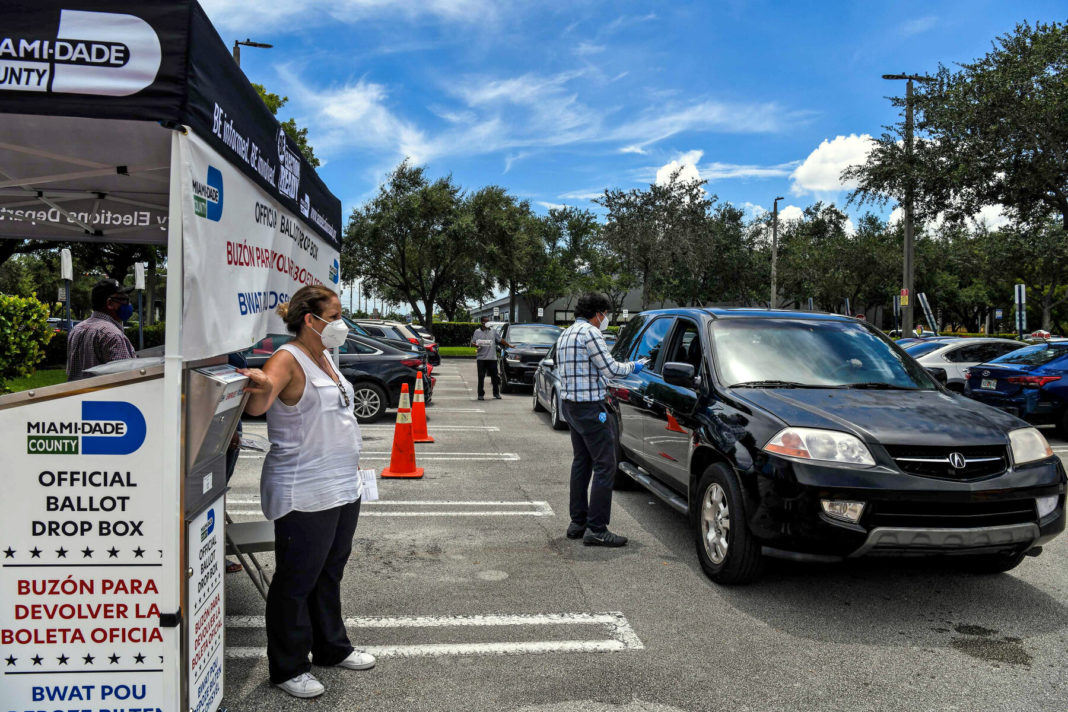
(680, 374)
(548, 362)
(939, 374)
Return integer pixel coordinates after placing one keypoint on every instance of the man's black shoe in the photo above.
(482, 397)
(497, 396)
(605, 538)
(575, 531)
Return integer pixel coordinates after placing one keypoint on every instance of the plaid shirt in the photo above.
(585, 364)
(99, 339)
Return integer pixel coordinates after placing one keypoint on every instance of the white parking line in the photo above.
(621, 636)
(443, 428)
(432, 456)
(457, 410)
(243, 505)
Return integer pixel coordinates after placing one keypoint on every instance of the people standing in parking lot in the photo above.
(485, 339)
(584, 365)
(311, 489)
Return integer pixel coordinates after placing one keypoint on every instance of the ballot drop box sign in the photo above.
(81, 553)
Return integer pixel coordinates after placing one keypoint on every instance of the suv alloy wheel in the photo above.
(727, 551)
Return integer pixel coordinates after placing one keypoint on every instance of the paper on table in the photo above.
(370, 485)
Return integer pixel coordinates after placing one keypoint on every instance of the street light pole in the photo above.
(247, 43)
(774, 301)
(909, 267)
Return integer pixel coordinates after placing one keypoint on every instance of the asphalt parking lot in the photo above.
(466, 588)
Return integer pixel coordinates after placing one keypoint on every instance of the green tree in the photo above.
(412, 241)
(993, 132)
(24, 334)
(510, 245)
(297, 133)
(567, 236)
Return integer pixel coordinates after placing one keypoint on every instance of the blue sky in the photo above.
(556, 101)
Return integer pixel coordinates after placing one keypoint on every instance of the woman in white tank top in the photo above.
(310, 488)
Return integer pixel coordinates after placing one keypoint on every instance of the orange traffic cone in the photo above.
(402, 460)
(419, 433)
(673, 424)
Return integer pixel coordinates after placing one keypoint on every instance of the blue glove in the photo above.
(638, 367)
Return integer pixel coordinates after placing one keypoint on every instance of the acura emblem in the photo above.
(957, 461)
(986, 373)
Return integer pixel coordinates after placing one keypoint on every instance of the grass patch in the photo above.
(39, 379)
(457, 351)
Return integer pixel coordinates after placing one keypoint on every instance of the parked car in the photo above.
(57, 324)
(429, 342)
(497, 325)
(547, 390)
(1031, 382)
(813, 437)
(375, 369)
(529, 344)
(395, 334)
(957, 355)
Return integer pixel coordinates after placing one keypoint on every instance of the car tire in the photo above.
(505, 386)
(370, 402)
(726, 549)
(555, 418)
(538, 407)
(992, 563)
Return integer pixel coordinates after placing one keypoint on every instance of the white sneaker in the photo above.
(304, 685)
(358, 661)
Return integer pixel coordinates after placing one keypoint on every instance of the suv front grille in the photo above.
(926, 461)
(951, 515)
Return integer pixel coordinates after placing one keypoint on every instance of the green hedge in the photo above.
(24, 336)
(454, 333)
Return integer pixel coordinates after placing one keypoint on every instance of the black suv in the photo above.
(813, 437)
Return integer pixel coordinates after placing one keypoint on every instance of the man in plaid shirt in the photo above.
(100, 338)
(584, 366)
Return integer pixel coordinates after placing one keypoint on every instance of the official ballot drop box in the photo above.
(214, 399)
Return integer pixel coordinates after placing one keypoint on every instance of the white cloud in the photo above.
(587, 48)
(295, 15)
(917, 26)
(791, 213)
(993, 217)
(821, 171)
(718, 171)
(581, 195)
(551, 206)
(633, 149)
(682, 170)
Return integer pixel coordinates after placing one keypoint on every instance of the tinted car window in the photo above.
(814, 353)
(686, 344)
(538, 335)
(969, 354)
(627, 334)
(652, 342)
(1034, 355)
(922, 348)
(352, 346)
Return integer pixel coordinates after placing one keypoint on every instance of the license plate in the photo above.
(989, 384)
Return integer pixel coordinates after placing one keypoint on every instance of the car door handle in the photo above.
(648, 401)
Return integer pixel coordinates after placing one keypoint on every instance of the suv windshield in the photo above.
(1034, 355)
(810, 354)
(536, 335)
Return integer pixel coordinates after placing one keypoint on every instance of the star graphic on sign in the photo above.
(35, 553)
(139, 658)
(114, 659)
(139, 553)
(160, 553)
(61, 552)
(87, 553)
(62, 659)
(113, 552)
(9, 553)
(88, 659)
(11, 659)
(161, 659)
(36, 659)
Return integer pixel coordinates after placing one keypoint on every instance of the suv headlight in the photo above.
(821, 445)
(1028, 445)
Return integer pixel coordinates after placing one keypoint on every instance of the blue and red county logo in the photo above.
(106, 428)
(208, 196)
(335, 272)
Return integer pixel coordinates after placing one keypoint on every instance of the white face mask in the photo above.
(603, 326)
(334, 333)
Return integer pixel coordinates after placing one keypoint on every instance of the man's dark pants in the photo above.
(304, 601)
(485, 366)
(594, 445)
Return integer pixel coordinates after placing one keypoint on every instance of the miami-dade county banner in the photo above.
(133, 71)
(81, 553)
(244, 255)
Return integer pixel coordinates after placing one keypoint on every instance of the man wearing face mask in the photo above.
(100, 338)
(584, 366)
